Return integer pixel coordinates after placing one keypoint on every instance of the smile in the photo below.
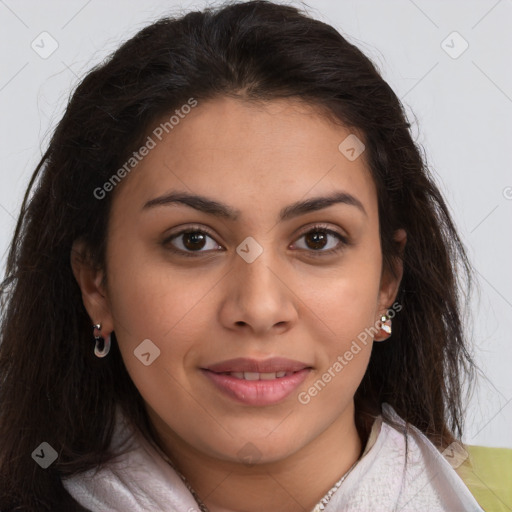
(257, 389)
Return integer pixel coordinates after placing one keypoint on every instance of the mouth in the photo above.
(257, 383)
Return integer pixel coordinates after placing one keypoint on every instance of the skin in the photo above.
(291, 301)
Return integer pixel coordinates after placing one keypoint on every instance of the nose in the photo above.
(258, 298)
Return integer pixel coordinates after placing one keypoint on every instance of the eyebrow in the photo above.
(212, 207)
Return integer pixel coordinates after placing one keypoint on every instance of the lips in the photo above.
(257, 383)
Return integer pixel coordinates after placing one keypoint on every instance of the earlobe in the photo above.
(390, 283)
(90, 281)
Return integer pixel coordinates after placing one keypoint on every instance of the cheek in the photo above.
(346, 300)
(344, 308)
(152, 299)
(150, 318)
(347, 313)
(154, 312)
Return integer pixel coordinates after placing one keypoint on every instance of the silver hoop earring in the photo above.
(101, 352)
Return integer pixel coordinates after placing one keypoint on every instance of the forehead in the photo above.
(253, 156)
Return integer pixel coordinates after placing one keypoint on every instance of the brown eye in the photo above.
(322, 241)
(190, 241)
(316, 239)
(194, 240)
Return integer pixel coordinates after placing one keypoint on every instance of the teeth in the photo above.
(258, 376)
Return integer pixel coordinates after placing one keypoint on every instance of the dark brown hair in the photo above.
(54, 389)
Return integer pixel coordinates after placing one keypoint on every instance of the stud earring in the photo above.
(385, 325)
(98, 351)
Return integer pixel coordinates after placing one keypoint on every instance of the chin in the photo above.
(257, 451)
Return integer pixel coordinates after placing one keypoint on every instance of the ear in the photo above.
(90, 281)
(390, 280)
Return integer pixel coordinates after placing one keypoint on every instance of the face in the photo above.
(280, 288)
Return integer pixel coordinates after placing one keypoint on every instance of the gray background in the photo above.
(462, 107)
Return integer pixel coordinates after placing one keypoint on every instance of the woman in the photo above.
(233, 286)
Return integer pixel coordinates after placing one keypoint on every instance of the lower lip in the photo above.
(258, 392)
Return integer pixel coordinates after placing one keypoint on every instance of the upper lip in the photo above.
(242, 364)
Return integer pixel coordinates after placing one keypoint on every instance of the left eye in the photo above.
(317, 240)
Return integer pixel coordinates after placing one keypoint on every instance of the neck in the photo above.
(294, 484)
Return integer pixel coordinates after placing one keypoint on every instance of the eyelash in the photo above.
(318, 227)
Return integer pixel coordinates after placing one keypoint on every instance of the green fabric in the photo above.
(488, 475)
